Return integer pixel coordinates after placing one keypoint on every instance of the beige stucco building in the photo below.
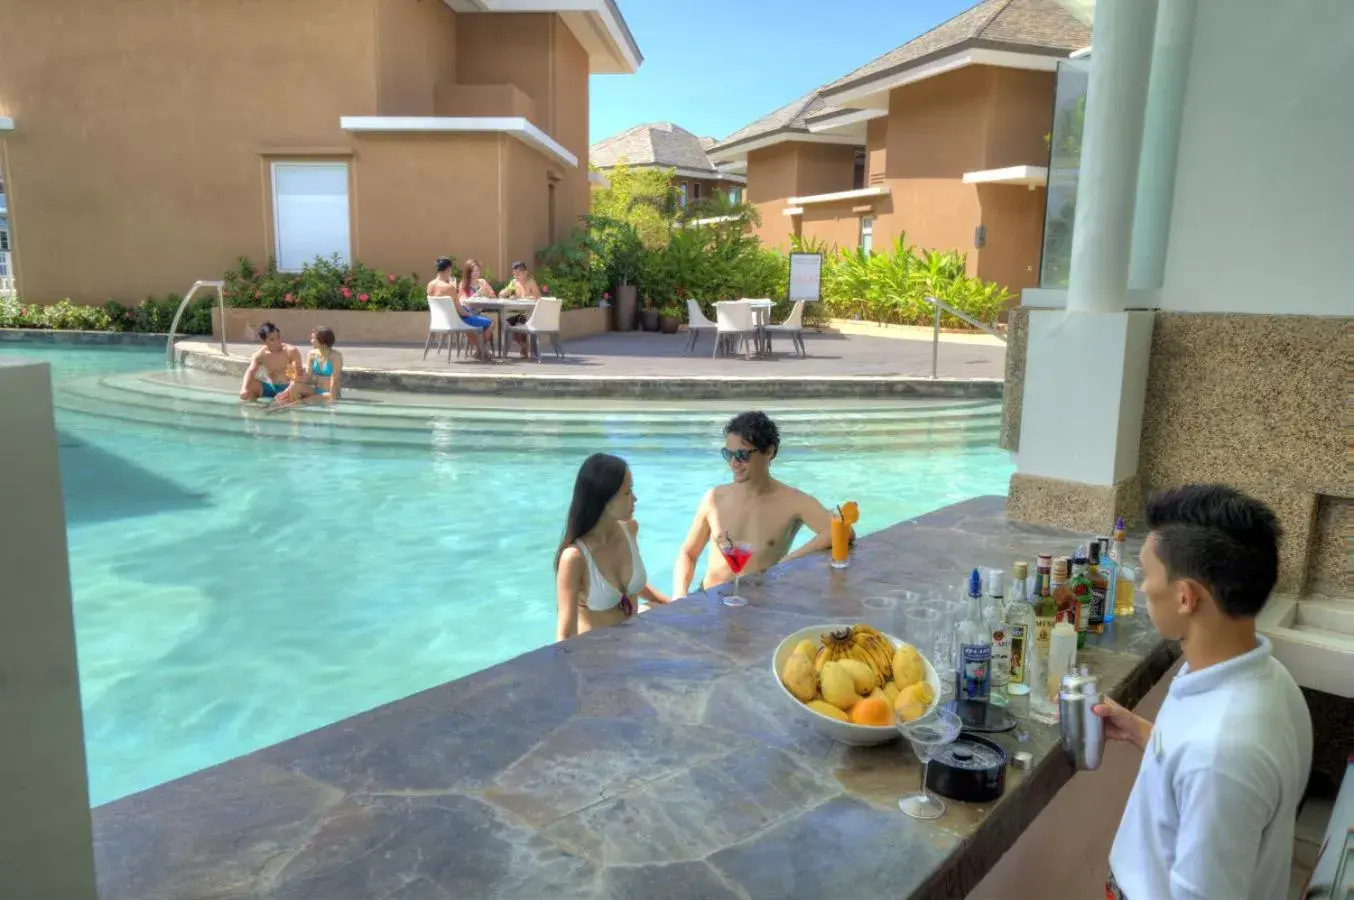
(663, 145)
(148, 145)
(941, 140)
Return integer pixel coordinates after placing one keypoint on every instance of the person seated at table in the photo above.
(321, 375)
(444, 285)
(473, 284)
(599, 551)
(522, 287)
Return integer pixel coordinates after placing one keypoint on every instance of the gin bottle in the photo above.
(973, 675)
(1019, 617)
(994, 617)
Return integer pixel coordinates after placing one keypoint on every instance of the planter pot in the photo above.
(648, 319)
(626, 306)
(669, 324)
(353, 326)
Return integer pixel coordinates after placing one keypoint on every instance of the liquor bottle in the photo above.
(1064, 604)
(994, 617)
(1110, 571)
(973, 676)
(1123, 582)
(1100, 587)
(1079, 586)
(1019, 616)
(1045, 612)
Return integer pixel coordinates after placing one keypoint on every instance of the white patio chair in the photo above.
(445, 323)
(696, 322)
(735, 324)
(544, 321)
(792, 327)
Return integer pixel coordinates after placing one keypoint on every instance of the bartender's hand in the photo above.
(1123, 724)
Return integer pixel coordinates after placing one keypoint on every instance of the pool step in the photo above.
(450, 429)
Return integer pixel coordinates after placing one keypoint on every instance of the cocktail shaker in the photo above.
(1083, 732)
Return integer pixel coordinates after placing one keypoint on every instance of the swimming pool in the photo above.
(242, 578)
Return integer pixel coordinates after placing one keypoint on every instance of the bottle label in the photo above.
(1001, 657)
(1099, 590)
(1043, 633)
(975, 671)
(1016, 635)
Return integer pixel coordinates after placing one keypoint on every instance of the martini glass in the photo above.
(736, 554)
(927, 735)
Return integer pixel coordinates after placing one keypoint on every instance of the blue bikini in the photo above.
(325, 371)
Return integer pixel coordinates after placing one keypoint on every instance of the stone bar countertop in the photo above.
(658, 759)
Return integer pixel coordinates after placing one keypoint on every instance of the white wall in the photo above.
(1263, 218)
(45, 843)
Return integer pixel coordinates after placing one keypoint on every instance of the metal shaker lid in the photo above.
(1080, 681)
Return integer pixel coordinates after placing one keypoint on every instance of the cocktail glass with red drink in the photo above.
(737, 555)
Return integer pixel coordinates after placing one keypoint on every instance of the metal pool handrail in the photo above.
(221, 304)
(935, 335)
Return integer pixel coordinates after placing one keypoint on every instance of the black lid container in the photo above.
(970, 770)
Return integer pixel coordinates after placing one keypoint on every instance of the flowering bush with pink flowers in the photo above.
(323, 284)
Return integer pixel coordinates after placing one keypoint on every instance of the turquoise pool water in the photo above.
(240, 579)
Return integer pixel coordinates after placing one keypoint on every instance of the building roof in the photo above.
(790, 117)
(656, 144)
(1028, 26)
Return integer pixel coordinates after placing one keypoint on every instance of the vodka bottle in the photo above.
(994, 617)
(1019, 618)
(973, 675)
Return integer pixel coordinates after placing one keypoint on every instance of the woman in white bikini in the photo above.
(599, 576)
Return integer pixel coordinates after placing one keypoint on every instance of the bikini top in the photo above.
(323, 371)
(602, 594)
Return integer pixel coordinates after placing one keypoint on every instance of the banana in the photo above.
(860, 642)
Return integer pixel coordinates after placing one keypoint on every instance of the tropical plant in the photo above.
(643, 198)
(323, 284)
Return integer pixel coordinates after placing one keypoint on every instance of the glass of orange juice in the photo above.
(841, 542)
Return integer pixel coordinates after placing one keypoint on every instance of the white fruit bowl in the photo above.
(845, 732)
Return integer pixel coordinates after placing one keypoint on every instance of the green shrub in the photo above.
(152, 315)
(323, 284)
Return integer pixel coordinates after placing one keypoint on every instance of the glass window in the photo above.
(695, 190)
(681, 193)
(1064, 168)
(735, 195)
(858, 174)
(310, 213)
(866, 234)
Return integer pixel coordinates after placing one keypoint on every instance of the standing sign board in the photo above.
(806, 276)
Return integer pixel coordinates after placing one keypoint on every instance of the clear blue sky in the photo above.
(713, 66)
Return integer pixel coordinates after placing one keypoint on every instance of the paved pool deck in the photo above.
(643, 364)
(659, 759)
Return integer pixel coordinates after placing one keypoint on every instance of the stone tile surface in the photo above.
(656, 759)
(652, 365)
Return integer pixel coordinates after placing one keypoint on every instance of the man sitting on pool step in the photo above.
(267, 375)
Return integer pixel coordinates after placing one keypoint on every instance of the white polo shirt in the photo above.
(1212, 812)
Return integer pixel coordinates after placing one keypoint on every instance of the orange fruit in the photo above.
(850, 512)
(872, 711)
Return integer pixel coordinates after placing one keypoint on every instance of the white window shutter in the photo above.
(310, 213)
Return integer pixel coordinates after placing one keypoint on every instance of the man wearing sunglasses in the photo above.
(755, 509)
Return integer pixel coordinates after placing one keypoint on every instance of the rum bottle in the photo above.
(1019, 617)
(1045, 611)
(994, 617)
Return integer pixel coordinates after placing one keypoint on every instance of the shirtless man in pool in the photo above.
(755, 509)
(266, 376)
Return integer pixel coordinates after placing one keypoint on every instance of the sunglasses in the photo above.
(741, 455)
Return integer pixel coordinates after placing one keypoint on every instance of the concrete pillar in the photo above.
(45, 842)
(1111, 144)
(1161, 142)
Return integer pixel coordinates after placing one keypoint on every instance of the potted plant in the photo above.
(670, 317)
(648, 316)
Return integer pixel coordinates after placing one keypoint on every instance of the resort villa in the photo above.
(663, 145)
(145, 147)
(941, 139)
(373, 704)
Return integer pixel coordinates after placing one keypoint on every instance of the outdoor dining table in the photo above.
(761, 317)
(500, 307)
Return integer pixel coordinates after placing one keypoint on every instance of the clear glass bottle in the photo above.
(994, 616)
(973, 671)
(1124, 574)
(1045, 611)
(1019, 619)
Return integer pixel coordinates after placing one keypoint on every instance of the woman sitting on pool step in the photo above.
(599, 575)
(321, 374)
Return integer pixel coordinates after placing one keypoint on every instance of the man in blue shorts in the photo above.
(267, 376)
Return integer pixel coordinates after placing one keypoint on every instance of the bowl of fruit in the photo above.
(852, 681)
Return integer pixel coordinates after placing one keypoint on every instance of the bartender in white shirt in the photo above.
(1224, 766)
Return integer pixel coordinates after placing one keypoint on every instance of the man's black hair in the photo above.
(757, 429)
(266, 329)
(443, 263)
(1221, 538)
(518, 265)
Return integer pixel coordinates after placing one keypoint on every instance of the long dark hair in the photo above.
(599, 480)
